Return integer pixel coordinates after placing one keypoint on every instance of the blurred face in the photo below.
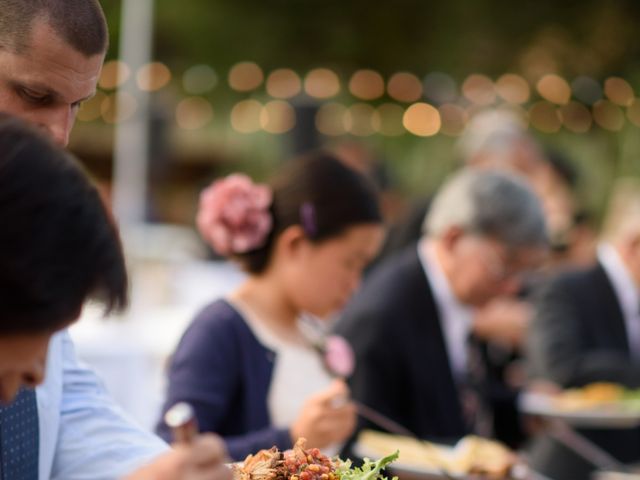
(482, 268)
(325, 275)
(22, 362)
(46, 83)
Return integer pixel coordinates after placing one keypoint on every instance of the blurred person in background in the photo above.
(587, 329)
(51, 54)
(497, 140)
(411, 321)
(58, 248)
(245, 363)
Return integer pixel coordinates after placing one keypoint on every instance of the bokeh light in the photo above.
(359, 120)
(479, 89)
(116, 108)
(193, 113)
(283, 83)
(366, 84)
(454, 119)
(277, 117)
(245, 116)
(153, 76)
(513, 88)
(576, 117)
(390, 119)
(545, 117)
(114, 73)
(554, 89)
(608, 115)
(91, 109)
(404, 87)
(619, 91)
(322, 83)
(330, 119)
(245, 76)
(199, 79)
(422, 119)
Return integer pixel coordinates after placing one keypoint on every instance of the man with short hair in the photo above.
(51, 53)
(410, 323)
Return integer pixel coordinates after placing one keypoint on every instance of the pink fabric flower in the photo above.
(234, 214)
(338, 356)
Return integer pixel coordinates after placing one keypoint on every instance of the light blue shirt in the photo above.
(83, 434)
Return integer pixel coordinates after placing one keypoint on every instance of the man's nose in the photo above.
(58, 123)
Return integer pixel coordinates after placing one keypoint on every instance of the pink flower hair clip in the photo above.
(234, 216)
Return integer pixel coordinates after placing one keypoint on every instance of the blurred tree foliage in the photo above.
(596, 38)
(592, 37)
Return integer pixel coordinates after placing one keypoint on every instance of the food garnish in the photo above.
(301, 463)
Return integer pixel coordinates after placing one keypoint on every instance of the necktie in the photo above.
(477, 412)
(19, 437)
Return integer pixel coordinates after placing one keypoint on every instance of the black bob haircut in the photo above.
(58, 242)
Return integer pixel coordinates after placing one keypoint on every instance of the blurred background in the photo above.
(195, 89)
(244, 84)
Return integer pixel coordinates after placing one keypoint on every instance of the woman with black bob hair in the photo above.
(246, 363)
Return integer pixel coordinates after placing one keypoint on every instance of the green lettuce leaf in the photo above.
(368, 471)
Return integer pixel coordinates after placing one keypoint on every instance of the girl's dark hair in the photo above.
(58, 242)
(321, 194)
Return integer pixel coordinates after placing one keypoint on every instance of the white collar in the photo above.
(623, 284)
(455, 317)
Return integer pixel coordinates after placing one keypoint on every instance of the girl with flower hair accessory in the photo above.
(244, 363)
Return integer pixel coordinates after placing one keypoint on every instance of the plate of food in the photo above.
(301, 463)
(597, 405)
(470, 457)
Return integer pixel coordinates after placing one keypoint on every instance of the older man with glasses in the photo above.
(410, 323)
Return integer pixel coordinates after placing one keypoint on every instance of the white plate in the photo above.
(605, 417)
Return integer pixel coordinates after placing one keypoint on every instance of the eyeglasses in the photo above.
(496, 264)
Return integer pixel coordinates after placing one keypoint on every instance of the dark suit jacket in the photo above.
(578, 336)
(402, 366)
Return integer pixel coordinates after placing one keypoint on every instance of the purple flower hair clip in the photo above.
(308, 219)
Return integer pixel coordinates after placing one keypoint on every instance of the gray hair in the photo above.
(489, 203)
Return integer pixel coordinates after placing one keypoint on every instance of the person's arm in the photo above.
(557, 348)
(205, 372)
(202, 459)
(95, 439)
